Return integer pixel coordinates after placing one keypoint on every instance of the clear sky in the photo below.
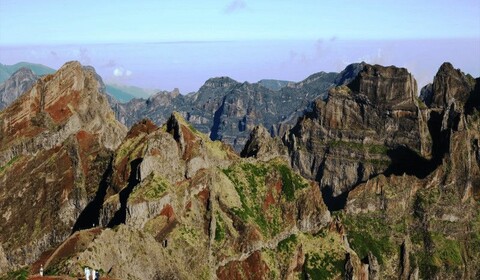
(181, 43)
(93, 21)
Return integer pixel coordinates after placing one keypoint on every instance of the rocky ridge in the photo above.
(20, 81)
(56, 142)
(359, 129)
(182, 205)
(399, 176)
(405, 173)
(227, 110)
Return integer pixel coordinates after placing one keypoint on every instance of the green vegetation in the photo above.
(153, 187)
(287, 244)
(250, 181)
(420, 103)
(424, 199)
(21, 274)
(9, 163)
(322, 267)
(189, 234)
(443, 253)
(290, 182)
(219, 228)
(371, 148)
(158, 186)
(369, 233)
(447, 250)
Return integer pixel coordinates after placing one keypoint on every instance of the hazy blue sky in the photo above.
(92, 21)
(167, 43)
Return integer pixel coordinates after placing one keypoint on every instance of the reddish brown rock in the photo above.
(251, 268)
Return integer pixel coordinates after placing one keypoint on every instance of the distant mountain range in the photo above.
(223, 108)
(228, 110)
(38, 69)
(122, 93)
(369, 182)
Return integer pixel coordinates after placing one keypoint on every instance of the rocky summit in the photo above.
(20, 81)
(370, 182)
(227, 110)
(56, 142)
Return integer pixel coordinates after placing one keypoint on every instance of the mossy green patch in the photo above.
(9, 163)
(153, 187)
(424, 199)
(290, 182)
(443, 252)
(20, 274)
(371, 148)
(321, 266)
(447, 250)
(287, 244)
(219, 228)
(369, 233)
(250, 182)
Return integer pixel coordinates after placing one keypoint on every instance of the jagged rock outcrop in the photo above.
(228, 110)
(171, 203)
(439, 240)
(218, 217)
(56, 142)
(426, 94)
(355, 134)
(262, 146)
(20, 81)
(451, 84)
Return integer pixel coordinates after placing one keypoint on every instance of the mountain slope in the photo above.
(391, 192)
(38, 69)
(56, 142)
(228, 110)
(183, 206)
(20, 81)
(403, 177)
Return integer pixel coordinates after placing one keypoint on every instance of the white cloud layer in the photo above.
(121, 72)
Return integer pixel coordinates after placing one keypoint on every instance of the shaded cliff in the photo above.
(228, 110)
(20, 81)
(193, 207)
(390, 185)
(356, 132)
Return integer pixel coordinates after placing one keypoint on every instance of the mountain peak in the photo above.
(20, 81)
(219, 82)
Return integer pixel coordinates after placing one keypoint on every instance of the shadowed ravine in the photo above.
(121, 215)
(90, 215)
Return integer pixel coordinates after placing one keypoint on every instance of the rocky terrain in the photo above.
(20, 81)
(370, 183)
(404, 174)
(227, 110)
(56, 141)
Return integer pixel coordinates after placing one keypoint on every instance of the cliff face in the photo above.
(390, 185)
(400, 156)
(440, 239)
(179, 205)
(20, 81)
(55, 145)
(355, 134)
(228, 110)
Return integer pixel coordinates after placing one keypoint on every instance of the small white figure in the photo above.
(41, 270)
(87, 273)
(93, 274)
